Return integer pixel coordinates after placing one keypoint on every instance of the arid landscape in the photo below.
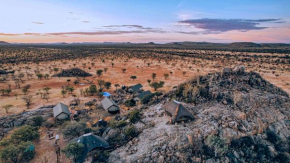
(48, 75)
(134, 81)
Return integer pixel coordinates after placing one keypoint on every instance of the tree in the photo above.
(101, 83)
(157, 85)
(39, 76)
(92, 89)
(153, 76)
(117, 85)
(108, 85)
(55, 70)
(76, 82)
(166, 76)
(183, 73)
(7, 107)
(25, 89)
(37, 121)
(74, 150)
(124, 70)
(133, 77)
(74, 129)
(25, 133)
(149, 81)
(70, 89)
(112, 64)
(99, 72)
(27, 99)
(105, 70)
(14, 153)
(63, 92)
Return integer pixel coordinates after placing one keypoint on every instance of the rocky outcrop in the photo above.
(249, 113)
(74, 72)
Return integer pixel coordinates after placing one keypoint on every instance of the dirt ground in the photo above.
(114, 75)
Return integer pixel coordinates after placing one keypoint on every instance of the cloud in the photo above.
(129, 26)
(37, 23)
(224, 25)
(86, 21)
(9, 34)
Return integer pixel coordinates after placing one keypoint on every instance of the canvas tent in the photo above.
(177, 112)
(135, 88)
(109, 105)
(90, 142)
(61, 112)
(142, 95)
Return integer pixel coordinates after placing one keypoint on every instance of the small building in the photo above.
(90, 142)
(61, 112)
(135, 88)
(142, 95)
(177, 112)
(110, 105)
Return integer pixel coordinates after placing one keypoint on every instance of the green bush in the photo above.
(130, 131)
(134, 116)
(74, 129)
(130, 103)
(36, 121)
(20, 152)
(218, 145)
(74, 150)
(147, 98)
(117, 124)
(25, 133)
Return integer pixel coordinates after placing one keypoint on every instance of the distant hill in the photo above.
(4, 43)
(244, 44)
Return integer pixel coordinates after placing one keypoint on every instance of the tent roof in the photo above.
(60, 108)
(136, 87)
(107, 102)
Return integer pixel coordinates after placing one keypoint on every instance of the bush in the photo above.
(17, 152)
(117, 124)
(134, 116)
(36, 121)
(130, 131)
(217, 144)
(130, 103)
(74, 150)
(25, 133)
(272, 137)
(74, 129)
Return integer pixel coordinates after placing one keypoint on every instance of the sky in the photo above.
(160, 21)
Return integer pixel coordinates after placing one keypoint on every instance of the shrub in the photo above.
(217, 144)
(74, 150)
(134, 116)
(36, 121)
(130, 131)
(130, 103)
(17, 152)
(74, 129)
(272, 137)
(147, 98)
(25, 133)
(117, 124)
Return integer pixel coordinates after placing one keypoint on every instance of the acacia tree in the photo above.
(105, 70)
(133, 77)
(157, 85)
(166, 76)
(117, 85)
(124, 70)
(153, 76)
(7, 107)
(99, 72)
(108, 85)
(27, 99)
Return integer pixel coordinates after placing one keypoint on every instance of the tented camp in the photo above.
(177, 112)
(109, 105)
(90, 142)
(135, 88)
(142, 95)
(61, 112)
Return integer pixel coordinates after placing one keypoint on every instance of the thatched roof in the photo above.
(176, 110)
(90, 143)
(60, 108)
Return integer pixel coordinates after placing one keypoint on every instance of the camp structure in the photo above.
(135, 88)
(177, 112)
(90, 142)
(142, 95)
(61, 112)
(109, 105)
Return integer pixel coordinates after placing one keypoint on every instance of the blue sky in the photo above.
(143, 21)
